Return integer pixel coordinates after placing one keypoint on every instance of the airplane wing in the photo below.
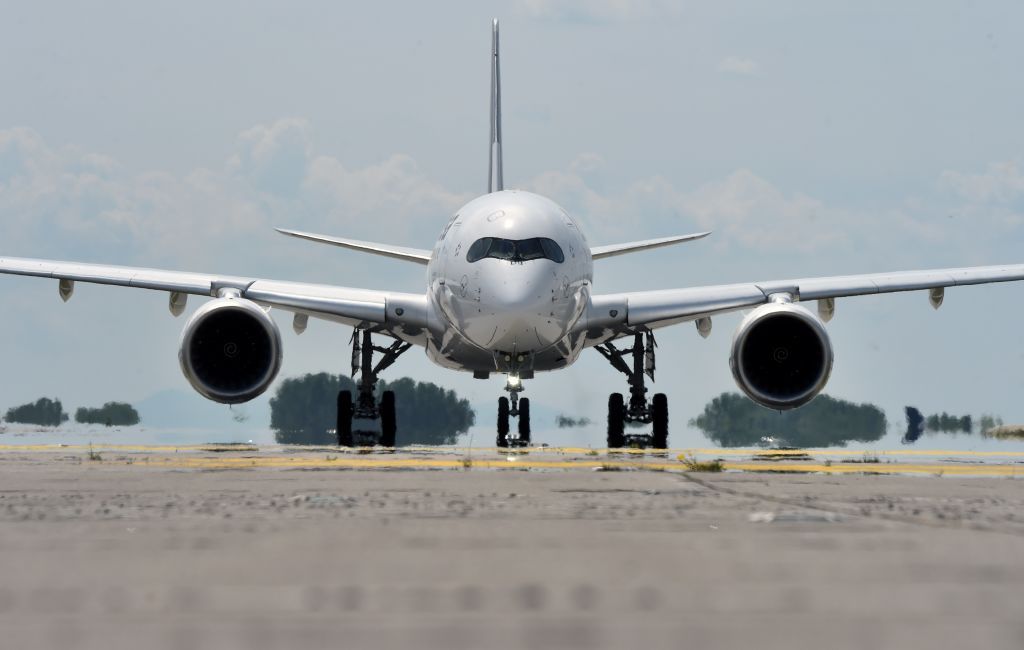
(601, 252)
(654, 309)
(382, 310)
(417, 255)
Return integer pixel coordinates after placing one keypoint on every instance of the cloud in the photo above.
(738, 66)
(743, 209)
(274, 157)
(58, 201)
(62, 202)
(394, 195)
(1002, 182)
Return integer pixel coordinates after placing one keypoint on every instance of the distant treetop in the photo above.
(44, 412)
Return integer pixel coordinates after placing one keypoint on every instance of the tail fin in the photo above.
(495, 179)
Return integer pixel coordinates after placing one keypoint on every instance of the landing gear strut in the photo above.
(638, 410)
(366, 411)
(513, 406)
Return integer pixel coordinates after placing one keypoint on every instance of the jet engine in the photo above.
(781, 356)
(230, 350)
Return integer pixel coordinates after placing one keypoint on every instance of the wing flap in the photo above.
(418, 255)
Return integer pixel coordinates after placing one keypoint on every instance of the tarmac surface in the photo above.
(244, 547)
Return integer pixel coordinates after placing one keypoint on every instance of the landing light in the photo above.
(514, 382)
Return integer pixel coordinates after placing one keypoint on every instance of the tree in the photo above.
(304, 408)
(110, 414)
(915, 425)
(732, 420)
(43, 412)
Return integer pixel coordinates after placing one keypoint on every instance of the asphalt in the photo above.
(244, 547)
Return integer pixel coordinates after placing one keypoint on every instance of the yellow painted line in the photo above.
(884, 468)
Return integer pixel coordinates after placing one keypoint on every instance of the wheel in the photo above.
(503, 422)
(344, 425)
(388, 425)
(524, 420)
(616, 421)
(659, 421)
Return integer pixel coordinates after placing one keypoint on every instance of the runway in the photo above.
(250, 547)
(809, 461)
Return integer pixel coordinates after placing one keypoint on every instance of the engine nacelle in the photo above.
(230, 350)
(781, 356)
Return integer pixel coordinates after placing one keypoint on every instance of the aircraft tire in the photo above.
(344, 423)
(659, 421)
(524, 420)
(503, 421)
(616, 421)
(388, 424)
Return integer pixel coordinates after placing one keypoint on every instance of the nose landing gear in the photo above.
(513, 406)
(367, 421)
(638, 410)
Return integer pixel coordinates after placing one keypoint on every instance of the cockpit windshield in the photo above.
(515, 250)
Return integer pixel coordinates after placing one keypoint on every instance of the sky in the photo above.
(812, 138)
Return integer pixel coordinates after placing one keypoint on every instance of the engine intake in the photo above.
(781, 356)
(230, 350)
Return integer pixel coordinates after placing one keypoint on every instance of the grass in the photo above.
(694, 465)
(592, 452)
(868, 458)
(467, 463)
(94, 455)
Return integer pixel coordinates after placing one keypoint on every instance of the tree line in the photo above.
(732, 420)
(48, 412)
(303, 409)
(919, 424)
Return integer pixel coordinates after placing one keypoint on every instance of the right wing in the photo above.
(382, 310)
(654, 309)
(418, 255)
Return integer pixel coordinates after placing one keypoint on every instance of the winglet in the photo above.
(495, 177)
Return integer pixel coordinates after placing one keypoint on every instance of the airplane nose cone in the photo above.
(517, 309)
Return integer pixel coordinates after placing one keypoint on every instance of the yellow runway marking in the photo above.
(243, 456)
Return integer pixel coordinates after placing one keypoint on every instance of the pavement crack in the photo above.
(852, 512)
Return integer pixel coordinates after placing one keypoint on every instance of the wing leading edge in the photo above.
(356, 307)
(611, 250)
(653, 309)
(418, 255)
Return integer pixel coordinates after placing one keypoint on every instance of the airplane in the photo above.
(509, 292)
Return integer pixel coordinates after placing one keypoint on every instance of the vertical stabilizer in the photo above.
(495, 179)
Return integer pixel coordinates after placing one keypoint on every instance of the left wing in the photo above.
(654, 309)
(383, 310)
(611, 250)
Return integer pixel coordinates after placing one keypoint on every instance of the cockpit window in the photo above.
(515, 250)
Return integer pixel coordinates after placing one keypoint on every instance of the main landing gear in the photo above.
(638, 410)
(513, 406)
(367, 421)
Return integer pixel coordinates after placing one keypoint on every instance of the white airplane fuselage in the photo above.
(512, 304)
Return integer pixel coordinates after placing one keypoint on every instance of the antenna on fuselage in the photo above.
(495, 179)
